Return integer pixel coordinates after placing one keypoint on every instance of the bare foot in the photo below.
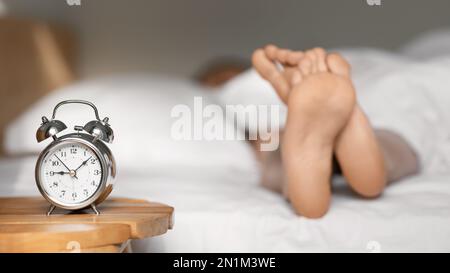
(357, 148)
(320, 104)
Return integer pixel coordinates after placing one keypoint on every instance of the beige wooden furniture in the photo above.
(24, 226)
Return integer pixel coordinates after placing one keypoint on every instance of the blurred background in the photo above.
(48, 44)
(179, 37)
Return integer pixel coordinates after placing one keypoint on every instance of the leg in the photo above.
(94, 208)
(369, 159)
(400, 161)
(271, 168)
(317, 113)
(50, 210)
(319, 106)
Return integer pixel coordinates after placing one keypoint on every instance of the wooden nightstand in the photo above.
(25, 227)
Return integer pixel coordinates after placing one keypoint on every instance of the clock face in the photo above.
(70, 173)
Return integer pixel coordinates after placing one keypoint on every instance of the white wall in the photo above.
(177, 36)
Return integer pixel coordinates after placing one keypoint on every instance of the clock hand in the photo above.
(70, 171)
(62, 163)
(82, 164)
(61, 173)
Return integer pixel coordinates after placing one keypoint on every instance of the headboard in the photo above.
(35, 58)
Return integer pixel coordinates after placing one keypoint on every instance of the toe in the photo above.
(292, 75)
(295, 57)
(313, 58)
(321, 59)
(268, 70)
(305, 66)
(296, 77)
(282, 55)
(338, 65)
(271, 51)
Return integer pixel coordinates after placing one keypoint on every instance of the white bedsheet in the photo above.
(218, 210)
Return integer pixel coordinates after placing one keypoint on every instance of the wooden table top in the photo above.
(25, 227)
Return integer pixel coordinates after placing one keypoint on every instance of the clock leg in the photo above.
(94, 208)
(50, 210)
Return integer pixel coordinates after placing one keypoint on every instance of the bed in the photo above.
(220, 212)
(213, 185)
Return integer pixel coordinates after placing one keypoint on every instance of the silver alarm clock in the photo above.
(76, 170)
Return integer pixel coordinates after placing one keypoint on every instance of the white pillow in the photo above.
(139, 108)
(250, 89)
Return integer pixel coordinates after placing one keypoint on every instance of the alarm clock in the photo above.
(76, 170)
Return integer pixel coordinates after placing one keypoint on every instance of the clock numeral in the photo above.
(55, 163)
(85, 191)
(93, 161)
(85, 153)
(74, 195)
(63, 193)
(97, 172)
(63, 154)
(93, 184)
(51, 173)
(73, 151)
(55, 184)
